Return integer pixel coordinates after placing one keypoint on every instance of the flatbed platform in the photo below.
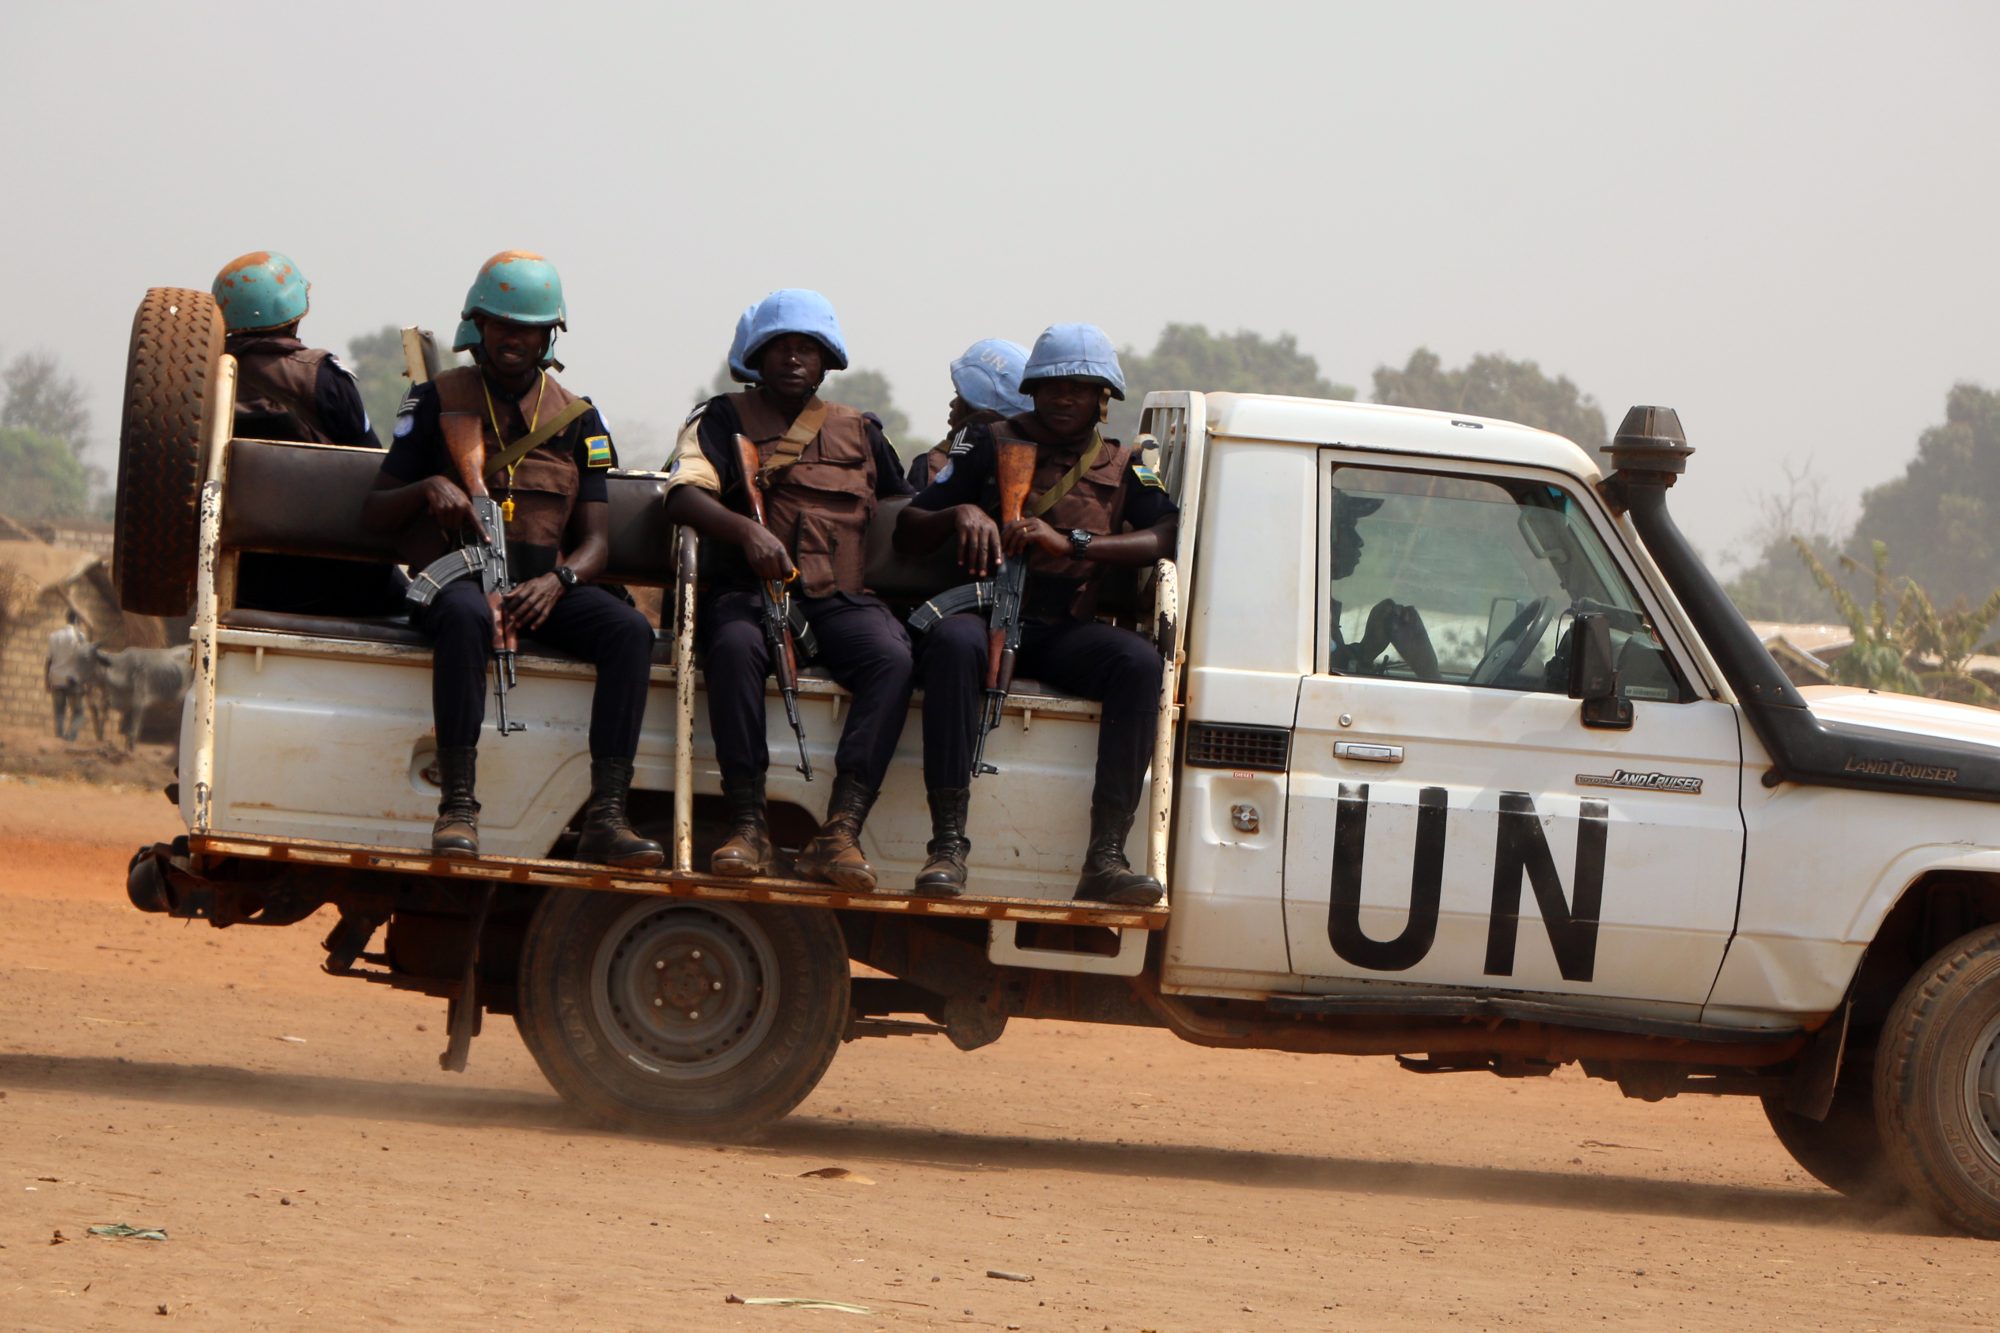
(669, 883)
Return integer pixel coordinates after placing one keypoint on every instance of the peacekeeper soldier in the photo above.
(554, 501)
(822, 466)
(286, 390)
(1087, 492)
(986, 386)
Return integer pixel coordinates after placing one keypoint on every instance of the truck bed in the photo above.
(670, 883)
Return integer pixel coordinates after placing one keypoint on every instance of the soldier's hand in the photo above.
(767, 555)
(1025, 533)
(978, 540)
(448, 504)
(529, 604)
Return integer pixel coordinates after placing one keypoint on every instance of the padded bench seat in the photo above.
(396, 630)
(305, 499)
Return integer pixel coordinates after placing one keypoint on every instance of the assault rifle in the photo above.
(777, 617)
(482, 556)
(999, 597)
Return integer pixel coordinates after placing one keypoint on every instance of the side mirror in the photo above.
(1593, 673)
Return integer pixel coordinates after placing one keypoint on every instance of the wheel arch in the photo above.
(1937, 904)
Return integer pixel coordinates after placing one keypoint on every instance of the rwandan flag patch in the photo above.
(1148, 477)
(598, 450)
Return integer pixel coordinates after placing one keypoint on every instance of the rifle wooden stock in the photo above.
(1014, 472)
(748, 459)
(465, 441)
(777, 607)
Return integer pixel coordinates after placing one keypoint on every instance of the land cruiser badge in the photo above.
(1669, 782)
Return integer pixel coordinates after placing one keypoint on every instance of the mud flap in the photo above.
(462, 1013)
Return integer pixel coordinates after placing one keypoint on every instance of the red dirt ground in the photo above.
(313, 1168)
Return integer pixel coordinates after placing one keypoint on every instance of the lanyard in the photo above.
(541, 383)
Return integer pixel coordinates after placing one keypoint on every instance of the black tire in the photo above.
(608, 985)
(170, 388)
(1843, 1152)
(1937, 1084)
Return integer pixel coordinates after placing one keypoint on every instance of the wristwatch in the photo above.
(566, 576)
(1079, 542)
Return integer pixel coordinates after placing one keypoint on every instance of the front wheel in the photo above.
(1843, 1151)
(1937, 1084)
(691, 1018)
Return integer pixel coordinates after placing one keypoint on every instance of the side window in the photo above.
(1473, 581)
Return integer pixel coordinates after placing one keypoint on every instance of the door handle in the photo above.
(1367, 753)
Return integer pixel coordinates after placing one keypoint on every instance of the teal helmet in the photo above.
(519, 286)
(261, 290)
(466, 338)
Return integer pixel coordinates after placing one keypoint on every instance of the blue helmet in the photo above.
(1074, 352)
(988, 376)
(794, 310)
(740, 370)
(261, 290)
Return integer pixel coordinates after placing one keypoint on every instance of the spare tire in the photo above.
(170, 388)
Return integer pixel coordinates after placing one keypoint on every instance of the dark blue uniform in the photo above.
(1114, 666)
(587, 620)
(859, 640)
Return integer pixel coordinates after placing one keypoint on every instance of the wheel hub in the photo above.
(684, 990)
(1982, 1088)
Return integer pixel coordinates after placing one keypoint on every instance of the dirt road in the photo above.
(313, 1168)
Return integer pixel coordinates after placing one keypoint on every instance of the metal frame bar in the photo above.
(684, 565)
(221, 427)
(667, 883)
(1166, 606)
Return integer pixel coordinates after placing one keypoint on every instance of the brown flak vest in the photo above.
(820, 506)
(544, 483)
(1096, 503)
(279, 377)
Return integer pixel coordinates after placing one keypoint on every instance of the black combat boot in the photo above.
(943, 876)
(1107, 876)
(748, 851)
(834, 855)
(607, 836)
(456, 832)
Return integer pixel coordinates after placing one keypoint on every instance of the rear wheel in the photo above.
(170, 387)
(669, 1016)
(1937, 1086)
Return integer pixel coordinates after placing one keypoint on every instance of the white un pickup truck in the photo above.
(1464, 759)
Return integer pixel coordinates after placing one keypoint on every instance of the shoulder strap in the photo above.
(537, 437)
(1048, 499)
(793, 442)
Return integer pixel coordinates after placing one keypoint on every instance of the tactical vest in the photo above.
(819, 506)
(1096, 503)
(278, 377)
(543, 484)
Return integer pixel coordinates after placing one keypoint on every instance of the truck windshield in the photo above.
(1473, 580)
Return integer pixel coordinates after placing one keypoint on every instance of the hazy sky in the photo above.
(1778, 218)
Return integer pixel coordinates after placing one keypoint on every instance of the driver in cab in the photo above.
(1390, 624)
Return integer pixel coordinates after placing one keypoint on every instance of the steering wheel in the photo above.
(1510, 650)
